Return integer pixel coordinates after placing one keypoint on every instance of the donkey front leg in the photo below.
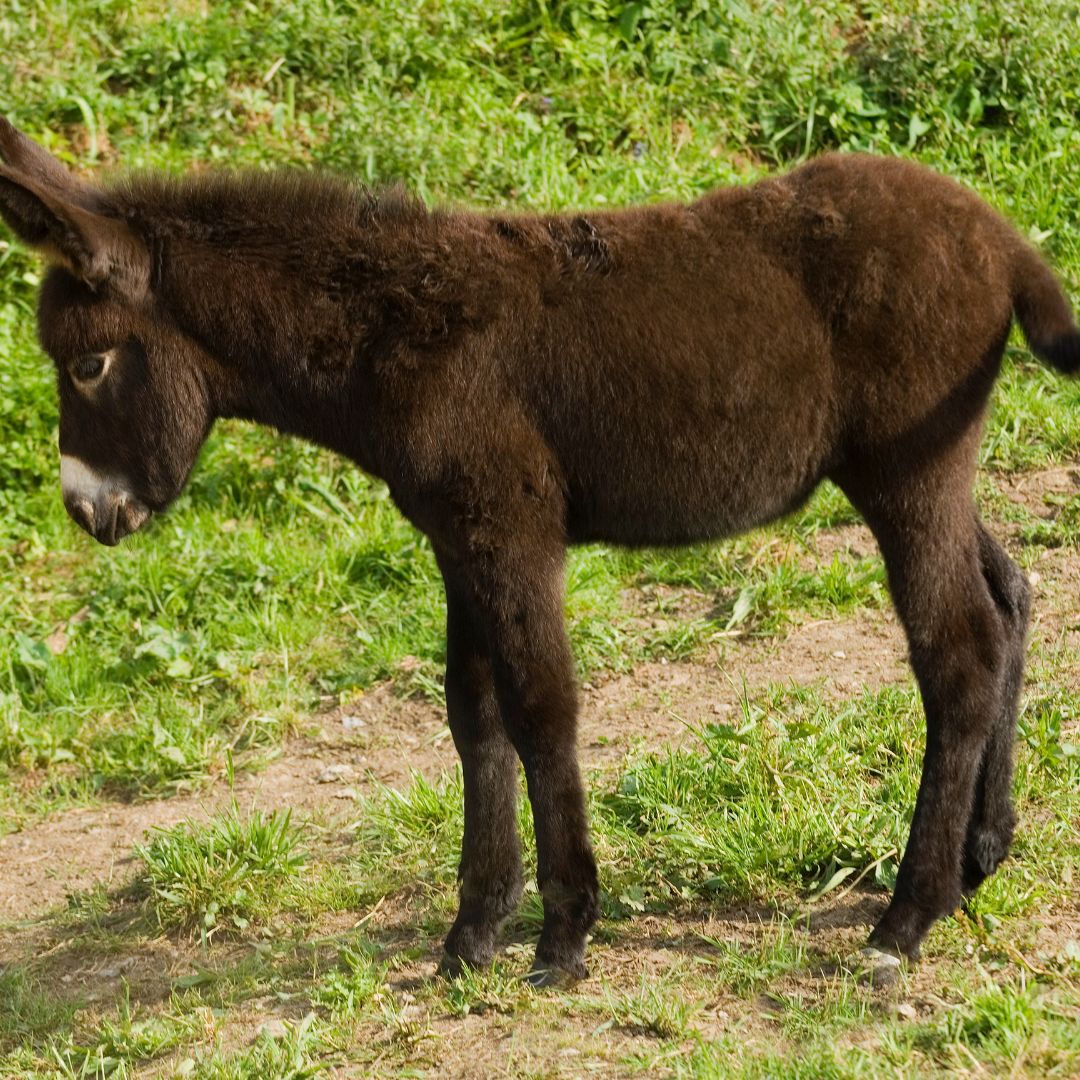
(490, 869)
(517, 587)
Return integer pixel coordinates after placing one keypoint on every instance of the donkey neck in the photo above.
(300, 288)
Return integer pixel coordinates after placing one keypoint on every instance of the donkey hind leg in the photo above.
(519, 588)
(960, 649)
(490, 871)
(993, 820)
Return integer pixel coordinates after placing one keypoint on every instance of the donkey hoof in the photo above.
(985, 851)
(544, 976)
(877, 968)
(453, 967)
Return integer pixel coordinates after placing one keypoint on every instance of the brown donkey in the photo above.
(658, 375)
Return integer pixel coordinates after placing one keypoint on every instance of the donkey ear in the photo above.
(24, 156)
(50, 210)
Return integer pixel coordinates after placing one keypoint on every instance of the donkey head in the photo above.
(135, 400)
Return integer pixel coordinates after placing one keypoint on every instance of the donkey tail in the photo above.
(1043, 311)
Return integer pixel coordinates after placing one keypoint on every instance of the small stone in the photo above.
(353, 723)
(907, 1011)
(185, 1067)
(878, 969)
(839, 655)
(273, 1029)
(117, 969)
(334, 773)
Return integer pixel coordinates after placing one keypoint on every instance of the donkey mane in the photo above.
(366, 269)
(370, 269)
(214, 205)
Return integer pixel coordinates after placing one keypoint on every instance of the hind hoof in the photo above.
(552, 977)
(984, 852)
(452, 967)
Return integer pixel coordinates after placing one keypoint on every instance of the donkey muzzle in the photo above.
(102, 505)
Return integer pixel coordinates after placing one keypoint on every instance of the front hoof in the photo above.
(544, 976)
(905, 924)
(453, 967)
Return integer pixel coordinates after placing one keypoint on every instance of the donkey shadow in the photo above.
(105, 954)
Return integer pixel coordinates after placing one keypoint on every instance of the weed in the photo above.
(222, 874)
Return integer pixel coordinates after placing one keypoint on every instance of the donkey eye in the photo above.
(88, 367)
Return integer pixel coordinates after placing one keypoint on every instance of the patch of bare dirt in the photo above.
(664, 702)
(1038, 491)
(1055, 573)
(383, 738)
(377, 738)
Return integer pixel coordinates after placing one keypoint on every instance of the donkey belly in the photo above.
(702, 486)
(685, 451)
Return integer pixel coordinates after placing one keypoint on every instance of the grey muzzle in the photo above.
(102, 505)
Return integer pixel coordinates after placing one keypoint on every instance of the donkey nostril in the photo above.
(131, 516)
(82, 513)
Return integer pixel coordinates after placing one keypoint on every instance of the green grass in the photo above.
(755, 818)
(284, 580)
(283, 576)
(221, 875)
(793, 798)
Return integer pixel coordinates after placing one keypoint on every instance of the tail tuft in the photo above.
(1063, 353)
(1043, 311)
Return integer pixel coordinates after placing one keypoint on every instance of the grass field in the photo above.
(229, 808)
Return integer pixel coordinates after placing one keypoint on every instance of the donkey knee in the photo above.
(1007, 583)
(961, 684)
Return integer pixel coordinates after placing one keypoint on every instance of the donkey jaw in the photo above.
(102, 505)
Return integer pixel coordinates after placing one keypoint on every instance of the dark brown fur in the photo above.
(658, 375)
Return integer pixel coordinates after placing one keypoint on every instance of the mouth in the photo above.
(110, 519)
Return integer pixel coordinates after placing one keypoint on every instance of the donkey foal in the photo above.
(659, 375)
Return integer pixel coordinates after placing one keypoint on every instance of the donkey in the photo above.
(652, 376)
